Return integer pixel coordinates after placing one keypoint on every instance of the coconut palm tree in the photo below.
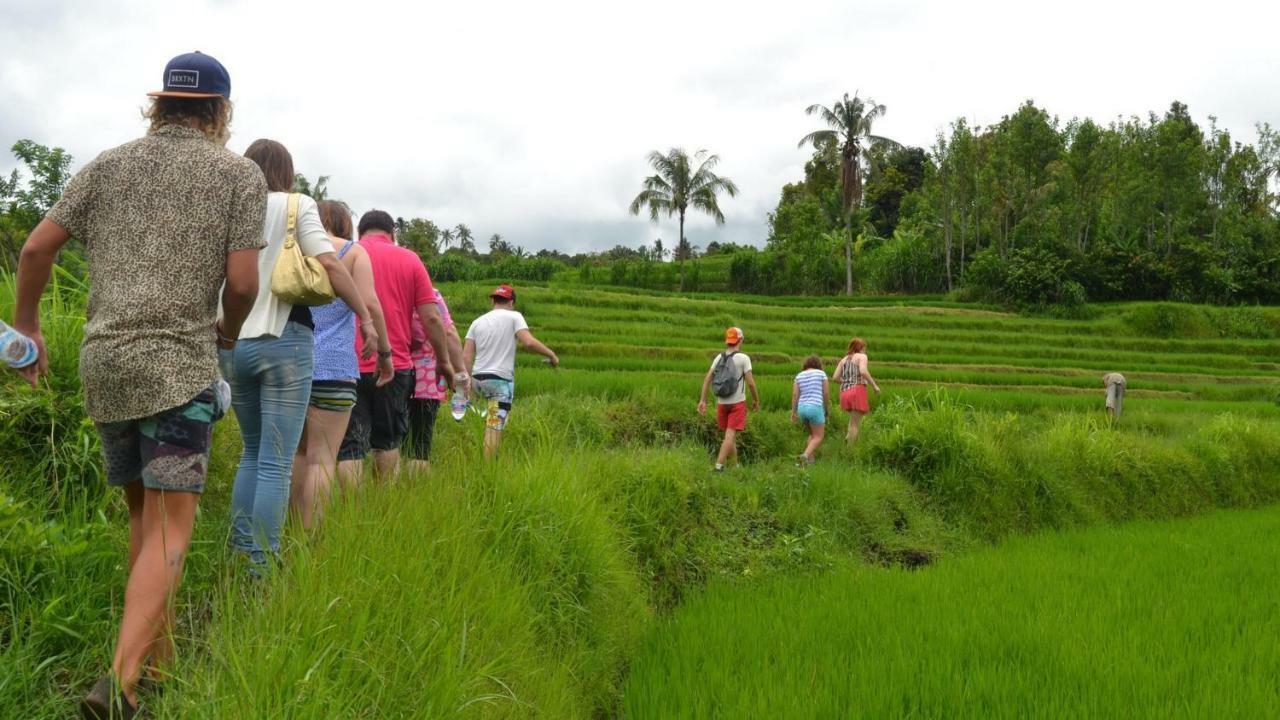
(319, 191)
(446, 238)
(466, 241)
(849, 122)
(498, 246)
(676, 186)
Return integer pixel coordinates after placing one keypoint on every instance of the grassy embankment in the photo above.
(523, 588)
(1149, 620)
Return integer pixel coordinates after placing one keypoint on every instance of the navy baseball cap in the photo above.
(195, 75)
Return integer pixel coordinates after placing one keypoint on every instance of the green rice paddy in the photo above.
(1150, 620)
(572, 576)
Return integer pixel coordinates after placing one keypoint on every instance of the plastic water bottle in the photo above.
(458, 406)
(17, 349)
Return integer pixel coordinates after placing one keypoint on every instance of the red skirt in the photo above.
(855, 400)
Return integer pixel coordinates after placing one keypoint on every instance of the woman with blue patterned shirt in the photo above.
(810, 395)
(333, 386)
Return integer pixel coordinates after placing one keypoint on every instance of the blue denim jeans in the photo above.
(270, 386)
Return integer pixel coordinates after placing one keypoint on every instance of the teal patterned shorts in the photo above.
(168, 450)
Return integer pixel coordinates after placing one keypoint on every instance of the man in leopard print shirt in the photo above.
(167, 221)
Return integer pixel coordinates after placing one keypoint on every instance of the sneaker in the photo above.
(719, 468)
(106, 701)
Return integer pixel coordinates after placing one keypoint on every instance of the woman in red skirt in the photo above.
(851, 372)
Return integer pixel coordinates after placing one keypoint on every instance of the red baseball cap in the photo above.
(733, 336)
(504, 292)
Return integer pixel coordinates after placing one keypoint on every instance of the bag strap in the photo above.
(345, 248)
(291, 223)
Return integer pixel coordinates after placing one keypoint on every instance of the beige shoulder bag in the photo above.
(296, 278)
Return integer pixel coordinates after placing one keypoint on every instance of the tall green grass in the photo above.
(522, 589)
(1150, 620)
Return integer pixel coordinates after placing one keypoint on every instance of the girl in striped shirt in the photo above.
(809, 397)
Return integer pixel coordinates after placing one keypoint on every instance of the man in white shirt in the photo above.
(731, 385)
(490, 354)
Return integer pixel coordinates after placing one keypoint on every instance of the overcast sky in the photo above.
(533, 119)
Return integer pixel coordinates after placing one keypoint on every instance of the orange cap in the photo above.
(733, 336)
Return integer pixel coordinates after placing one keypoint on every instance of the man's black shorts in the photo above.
(380, 418)
(422, 425)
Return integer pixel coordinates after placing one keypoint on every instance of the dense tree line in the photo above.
(26, 197)
(1034, 211)
(1028, 211)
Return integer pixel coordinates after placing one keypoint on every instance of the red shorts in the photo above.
(855, 400)
(732, 416)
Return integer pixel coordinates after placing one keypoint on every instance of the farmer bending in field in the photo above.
(1114, 383)
(168, 221)
(490, 355)
(729, 376)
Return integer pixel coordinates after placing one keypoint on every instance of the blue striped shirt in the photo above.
(810, 383)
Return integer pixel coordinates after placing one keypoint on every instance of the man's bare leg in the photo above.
(167, 522)
(492, 439)
(728, 446)
(385, 463)
(162, 651)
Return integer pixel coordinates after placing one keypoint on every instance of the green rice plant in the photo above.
(1141, 621)
(522, 588)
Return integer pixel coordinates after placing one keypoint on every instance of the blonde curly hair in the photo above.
(212, 116)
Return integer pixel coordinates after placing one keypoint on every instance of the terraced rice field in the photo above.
(613, 342)
(533, 585)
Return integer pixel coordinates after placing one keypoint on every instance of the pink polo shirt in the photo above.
(402, 284)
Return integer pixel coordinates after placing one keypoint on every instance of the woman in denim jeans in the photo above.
(270, 367)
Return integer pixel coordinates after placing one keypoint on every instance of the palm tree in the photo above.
(498, 246)
(318, 192)
(465, 239)
(849, 123)
(446, 238)
(659, 251)
(676, 185)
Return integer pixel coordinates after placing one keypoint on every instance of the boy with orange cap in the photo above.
(730, 376)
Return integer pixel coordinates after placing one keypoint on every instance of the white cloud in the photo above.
(533, 119)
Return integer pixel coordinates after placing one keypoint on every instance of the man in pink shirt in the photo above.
(380, 418)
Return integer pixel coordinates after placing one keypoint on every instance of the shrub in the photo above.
(906, 263)
(1169, 320)
(1033, 278)
(1247, 322)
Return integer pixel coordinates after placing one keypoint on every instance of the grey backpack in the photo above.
(725, 379)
